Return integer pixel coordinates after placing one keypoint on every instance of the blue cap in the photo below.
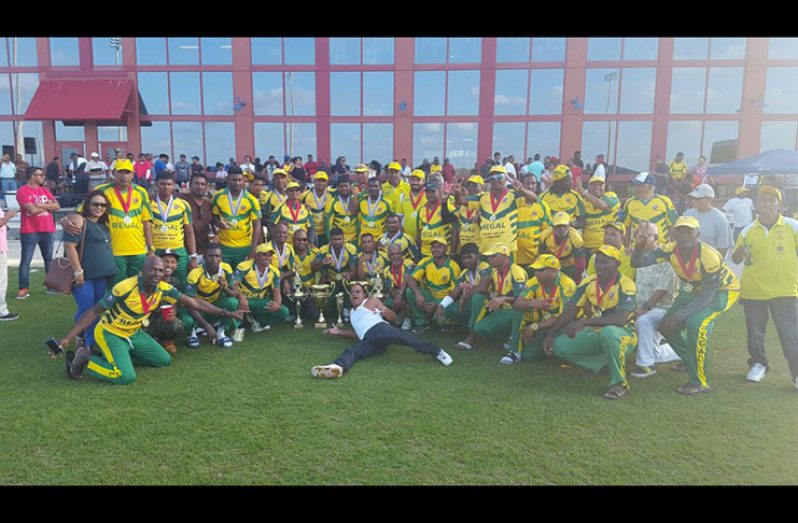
(286, 157)
(644, 178)
(431, 186)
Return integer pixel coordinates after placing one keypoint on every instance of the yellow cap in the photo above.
(617, 225)
(321, 175)
(546, 261)
(476, 179)
(362, 168)
(612, 252)
(123, 165)
(498, 248)
(767, 189)
(687, 221)
(595, 179)
(394, 166)
(498, 169)
(292, 185)
(561, 218)
(435, 168)
(560, 172)
(417, 173)
(280, 172)
(440, 238)
(264, 247)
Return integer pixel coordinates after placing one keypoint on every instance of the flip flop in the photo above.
(691, 389)
(463, 346)
(616, 392)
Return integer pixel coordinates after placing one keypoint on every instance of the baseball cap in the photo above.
(644, 178)
(546, 261)
(95, 155)
(612, 252)
(431, 186)
(767, 189)
(740, 190)
(498, 248)
(124, 165)
(561, 218)
(560, 172)
(286, 158)
(394, 166)
(476, 179)
(321, 175)
(498, 169)
(595, 179)
(439, 238)
(417, 173)
(617, 225)
(279, 172)
(703, 191)
(362, 168)
(263, 248)
(292, 185)
(687, 221)
(170, 252)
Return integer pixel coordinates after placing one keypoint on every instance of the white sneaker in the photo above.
(327, 371)
(257, 327)
(510, 358)
(444, 358)
(796, 382)
(407, 324)
(756, 373)
(507, 345)
(238, 335)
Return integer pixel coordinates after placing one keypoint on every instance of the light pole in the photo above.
(19, 141)
(291, 124)
(116, 44)
(609, 78)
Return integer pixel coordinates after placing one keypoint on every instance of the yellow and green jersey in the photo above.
(498, 219)
(207, 287)
(256, 284)
(439, 281)
(620, 295)
(393, 194)
(533, 221)
(283, 258)
(468, 222)
(509, 283)
(341, 261)
(126, 217)
(295, 219)
(240, 213)
(431, 225)
(396, 277)
(708, 268)
(371, 216)
(475, 276)
(305, 262)
(678, 170)
(596, 219)
(658, 210)
(559, 294)
(564, 251)
(338, 216)
(374, 264)
(570, 202)
(319, 207)
(168, 221)
(126, 307)
(625, 268)
(408, 207)
(270, 201)
(405, 241)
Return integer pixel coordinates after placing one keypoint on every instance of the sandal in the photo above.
(616, 392)
(463, 346)
(691, 389)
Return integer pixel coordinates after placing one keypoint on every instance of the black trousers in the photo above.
(377, 340)
(308, 308)
(783, 312)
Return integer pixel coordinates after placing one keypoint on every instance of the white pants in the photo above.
(649, 350)
(3, 283)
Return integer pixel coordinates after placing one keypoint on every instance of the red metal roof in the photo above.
(79, 100)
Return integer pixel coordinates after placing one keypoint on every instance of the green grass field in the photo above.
(253, 415)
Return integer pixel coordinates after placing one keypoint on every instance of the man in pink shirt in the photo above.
(5, 315)
(36, 203)
(142, 170)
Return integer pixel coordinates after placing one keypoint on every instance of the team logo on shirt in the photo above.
(655, 207)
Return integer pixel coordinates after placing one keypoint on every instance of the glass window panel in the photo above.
(267, 51)
(545, 95)
(157, 139)
(637, 92)
(300, 94)
(344, 51)
(511, 91)
(427, 141)
(301, 139)
(300, 51)
(687, 90)
(461, 144)
(684, 137)
(7, 133)
(508, 138)
(429, 92)
(185, 90)
(777, 135)
(634, 145)
(377, 142)
(465, 50)
(64, 52)
(780, 90)
(68, 133)
(725, 89)
(23, 87)
(151, 51)
(719, 132)
(378, 94)
(267, 93)
(183, 51)
(187, 138)
(640, 48)
(690, 48)
(33, 129)
(603, 48)
(728, 49)
(543, 138)
(112, 133)
(104, 54)
(601, 91)
(783, 48)
(154, 92)
(3, 52)
(463, 93)
(430, 50)
(22, 52)
(512, 49)
(345, 141)
(5, 94)
(345, 94)
(217, 51)
(269, 140)
(598, 138)
(220, 140)
(548, 49)
(217, 91)
(378, 51)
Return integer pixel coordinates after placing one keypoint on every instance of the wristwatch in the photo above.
(194, 256)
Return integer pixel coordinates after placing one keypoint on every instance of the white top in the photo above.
(740, 210)
(247, 167)
(363, 319)
(510, 168)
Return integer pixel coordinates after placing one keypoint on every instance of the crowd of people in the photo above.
(539, 259)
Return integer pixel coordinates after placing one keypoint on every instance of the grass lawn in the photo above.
(253, 415)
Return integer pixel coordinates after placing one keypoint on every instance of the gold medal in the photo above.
(164, 229)
(597, 313)
(688, 287)
(534, 326)
(128, 220)
(546, 316)
(338, 276)
(233, 222)
(346, 219)
(145, 322)
(370, 225)
(295, 227)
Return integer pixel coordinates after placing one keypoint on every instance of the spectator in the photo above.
(258, 165)
(600, 168)
(22, 170)
(5, 314)
(699, 174)
(340, 166)
(678, 184)
(577, 159)
(196, 167)
(8, 174)
(80, 177)
(406, 170)
(160, 165)
(740, 210)
(311, 167)
(271, 165)
(38, 226)
(220, 176)
(143, 171)
(576, 175)
(537, 167)
(182, 170)
(448, 173)
(98, 171)
(509, 166)
(425, 166)
(715, 229)
(53, 175)
(661, 175)
(497, 158)
(299, 173)
(485, 169)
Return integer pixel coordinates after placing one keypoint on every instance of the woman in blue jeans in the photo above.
(96, 267)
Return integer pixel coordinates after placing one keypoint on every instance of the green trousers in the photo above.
(693, 346)
(182, 264)
(265, 317)
(595, 349)
(227, 303)
(128, 266)
(453, 314)
(119, 354)
(234, 255)
(485, 323)
(531, 349)
(417, 314)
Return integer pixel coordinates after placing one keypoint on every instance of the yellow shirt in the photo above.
(304, 263)
(338, 216)
(240, 215)
(179, 215)
(318, 206)
(533, 221)
(270, 201)
(560, 294)
(658, 210)
(393, 194)
(563, 251)
(396, 280)
(678, 170)
(124, 311)
(430, 225)
(625, 268)
(596, 219)
(342, 262)
(774, 272)
(439, 281)
(468, 221)
(406, 242)
(510, 283)
(474, 277)
(709, 268)
(127, 228)
(304, 219)
(374, 264)
(253, 286)
(206, 286)
(620, 295)
(371, 216)
(571, 203)
(409, 207)
(283, 259)
(499, 224)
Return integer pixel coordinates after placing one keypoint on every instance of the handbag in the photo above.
(61, 273)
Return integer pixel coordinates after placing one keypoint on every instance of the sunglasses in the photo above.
(98, 204)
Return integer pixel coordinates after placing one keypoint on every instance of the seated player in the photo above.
(304, 256)
(259, 282)
(456, 307)
(371, 262)
(564, 242)
(394, 234)
(433, 279)
(163, 330)
(397, 274)
(337, 262)
(614, 234)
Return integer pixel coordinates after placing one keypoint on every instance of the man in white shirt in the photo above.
(247, 166)
(406, 170)
(98, 171)
(740, 210)
(510, 167)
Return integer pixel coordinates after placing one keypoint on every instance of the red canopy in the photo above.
(80, 100)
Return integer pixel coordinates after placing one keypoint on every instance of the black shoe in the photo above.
(9, 317)
(76, 363)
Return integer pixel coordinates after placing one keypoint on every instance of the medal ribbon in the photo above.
(502, 277)
(370, 209)
(337, 259)
(398, 276)
(261, 279)
(414, 203)
(370, 266)
(164, 215)
(494, 203)
(431, 214)
(687, 271)
(319, 204)
(345, 205)
(294, 212)
(280, 255)
(124, 203)
(599, 295)
(234, 209)
(146, 305)
(562, 246)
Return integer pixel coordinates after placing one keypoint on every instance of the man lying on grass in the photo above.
(374, 335)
